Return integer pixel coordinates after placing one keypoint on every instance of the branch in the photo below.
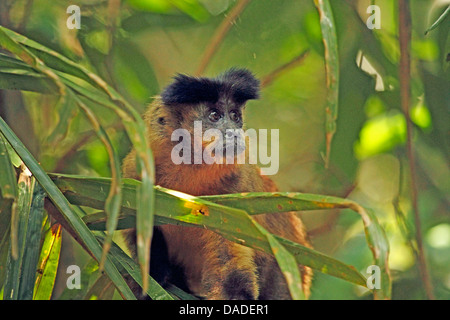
(220, 34)
(268, 79)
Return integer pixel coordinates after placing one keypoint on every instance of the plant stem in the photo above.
(268, 79)
(405, 87)
(220, 34)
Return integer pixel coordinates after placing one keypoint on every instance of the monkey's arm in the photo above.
(230, 270)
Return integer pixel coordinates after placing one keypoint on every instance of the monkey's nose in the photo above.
(229, 135)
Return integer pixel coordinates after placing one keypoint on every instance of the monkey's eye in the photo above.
(214, 116)
(235, 116)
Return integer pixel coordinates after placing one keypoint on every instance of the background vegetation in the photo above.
(389, 152)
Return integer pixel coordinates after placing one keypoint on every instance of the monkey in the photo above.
(198, 260)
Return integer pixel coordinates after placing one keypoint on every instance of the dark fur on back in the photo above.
(239, 84)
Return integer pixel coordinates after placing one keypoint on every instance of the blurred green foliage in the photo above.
(138, 45)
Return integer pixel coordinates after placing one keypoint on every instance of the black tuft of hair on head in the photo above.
(239, 83)
(244, 86)
(190, 90)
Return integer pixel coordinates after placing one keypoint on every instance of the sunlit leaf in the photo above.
(91, 192)
(48, 264)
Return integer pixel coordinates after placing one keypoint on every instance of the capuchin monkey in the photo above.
(199, 260)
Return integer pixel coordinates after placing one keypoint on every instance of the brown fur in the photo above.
(214, 267)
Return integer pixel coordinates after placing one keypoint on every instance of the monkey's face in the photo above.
(211, 111)
(221, 127)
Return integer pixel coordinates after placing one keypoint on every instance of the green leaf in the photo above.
(26, 82)
(131, 119)
(66, 109)
(112, 203)
(102, 289)
(64, 207)
(19, 229)
(88, 273)
(133, 123)
(181, 209)
(264, 202)
(133, 72)
(8, 183)
(287, 264)
(192, 8)
(439, 20)
(128, 265)
(33, 244)
(239, 227)
(29, 58)
(5, 236)
(329, 38)
(32, 52)
(48, 264)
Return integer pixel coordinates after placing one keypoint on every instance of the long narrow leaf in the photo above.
(5, 236)
(32, 244)
(123, 261)
(19, 226)
(48, 264)
(114, 198)
(177, 208)
(231, 223)
(8, 183)
(133, 123)
(102, 289)
(88, 273)
(112, 203)
(26, 82)
(64, 207)
(67, 110)
(329, 38)
(264, 202)
(10, 44)
(439, 20)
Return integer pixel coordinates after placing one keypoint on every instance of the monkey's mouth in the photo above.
(229, 151)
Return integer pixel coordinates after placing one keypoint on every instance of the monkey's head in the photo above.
(208, 109)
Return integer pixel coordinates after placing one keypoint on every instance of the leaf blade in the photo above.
(329, 39)
(86, 191)
(64, 207)
(8, 183)
(19, 225)
(48, 264)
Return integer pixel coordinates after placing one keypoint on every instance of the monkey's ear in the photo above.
(190, 90)
(244, 86)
